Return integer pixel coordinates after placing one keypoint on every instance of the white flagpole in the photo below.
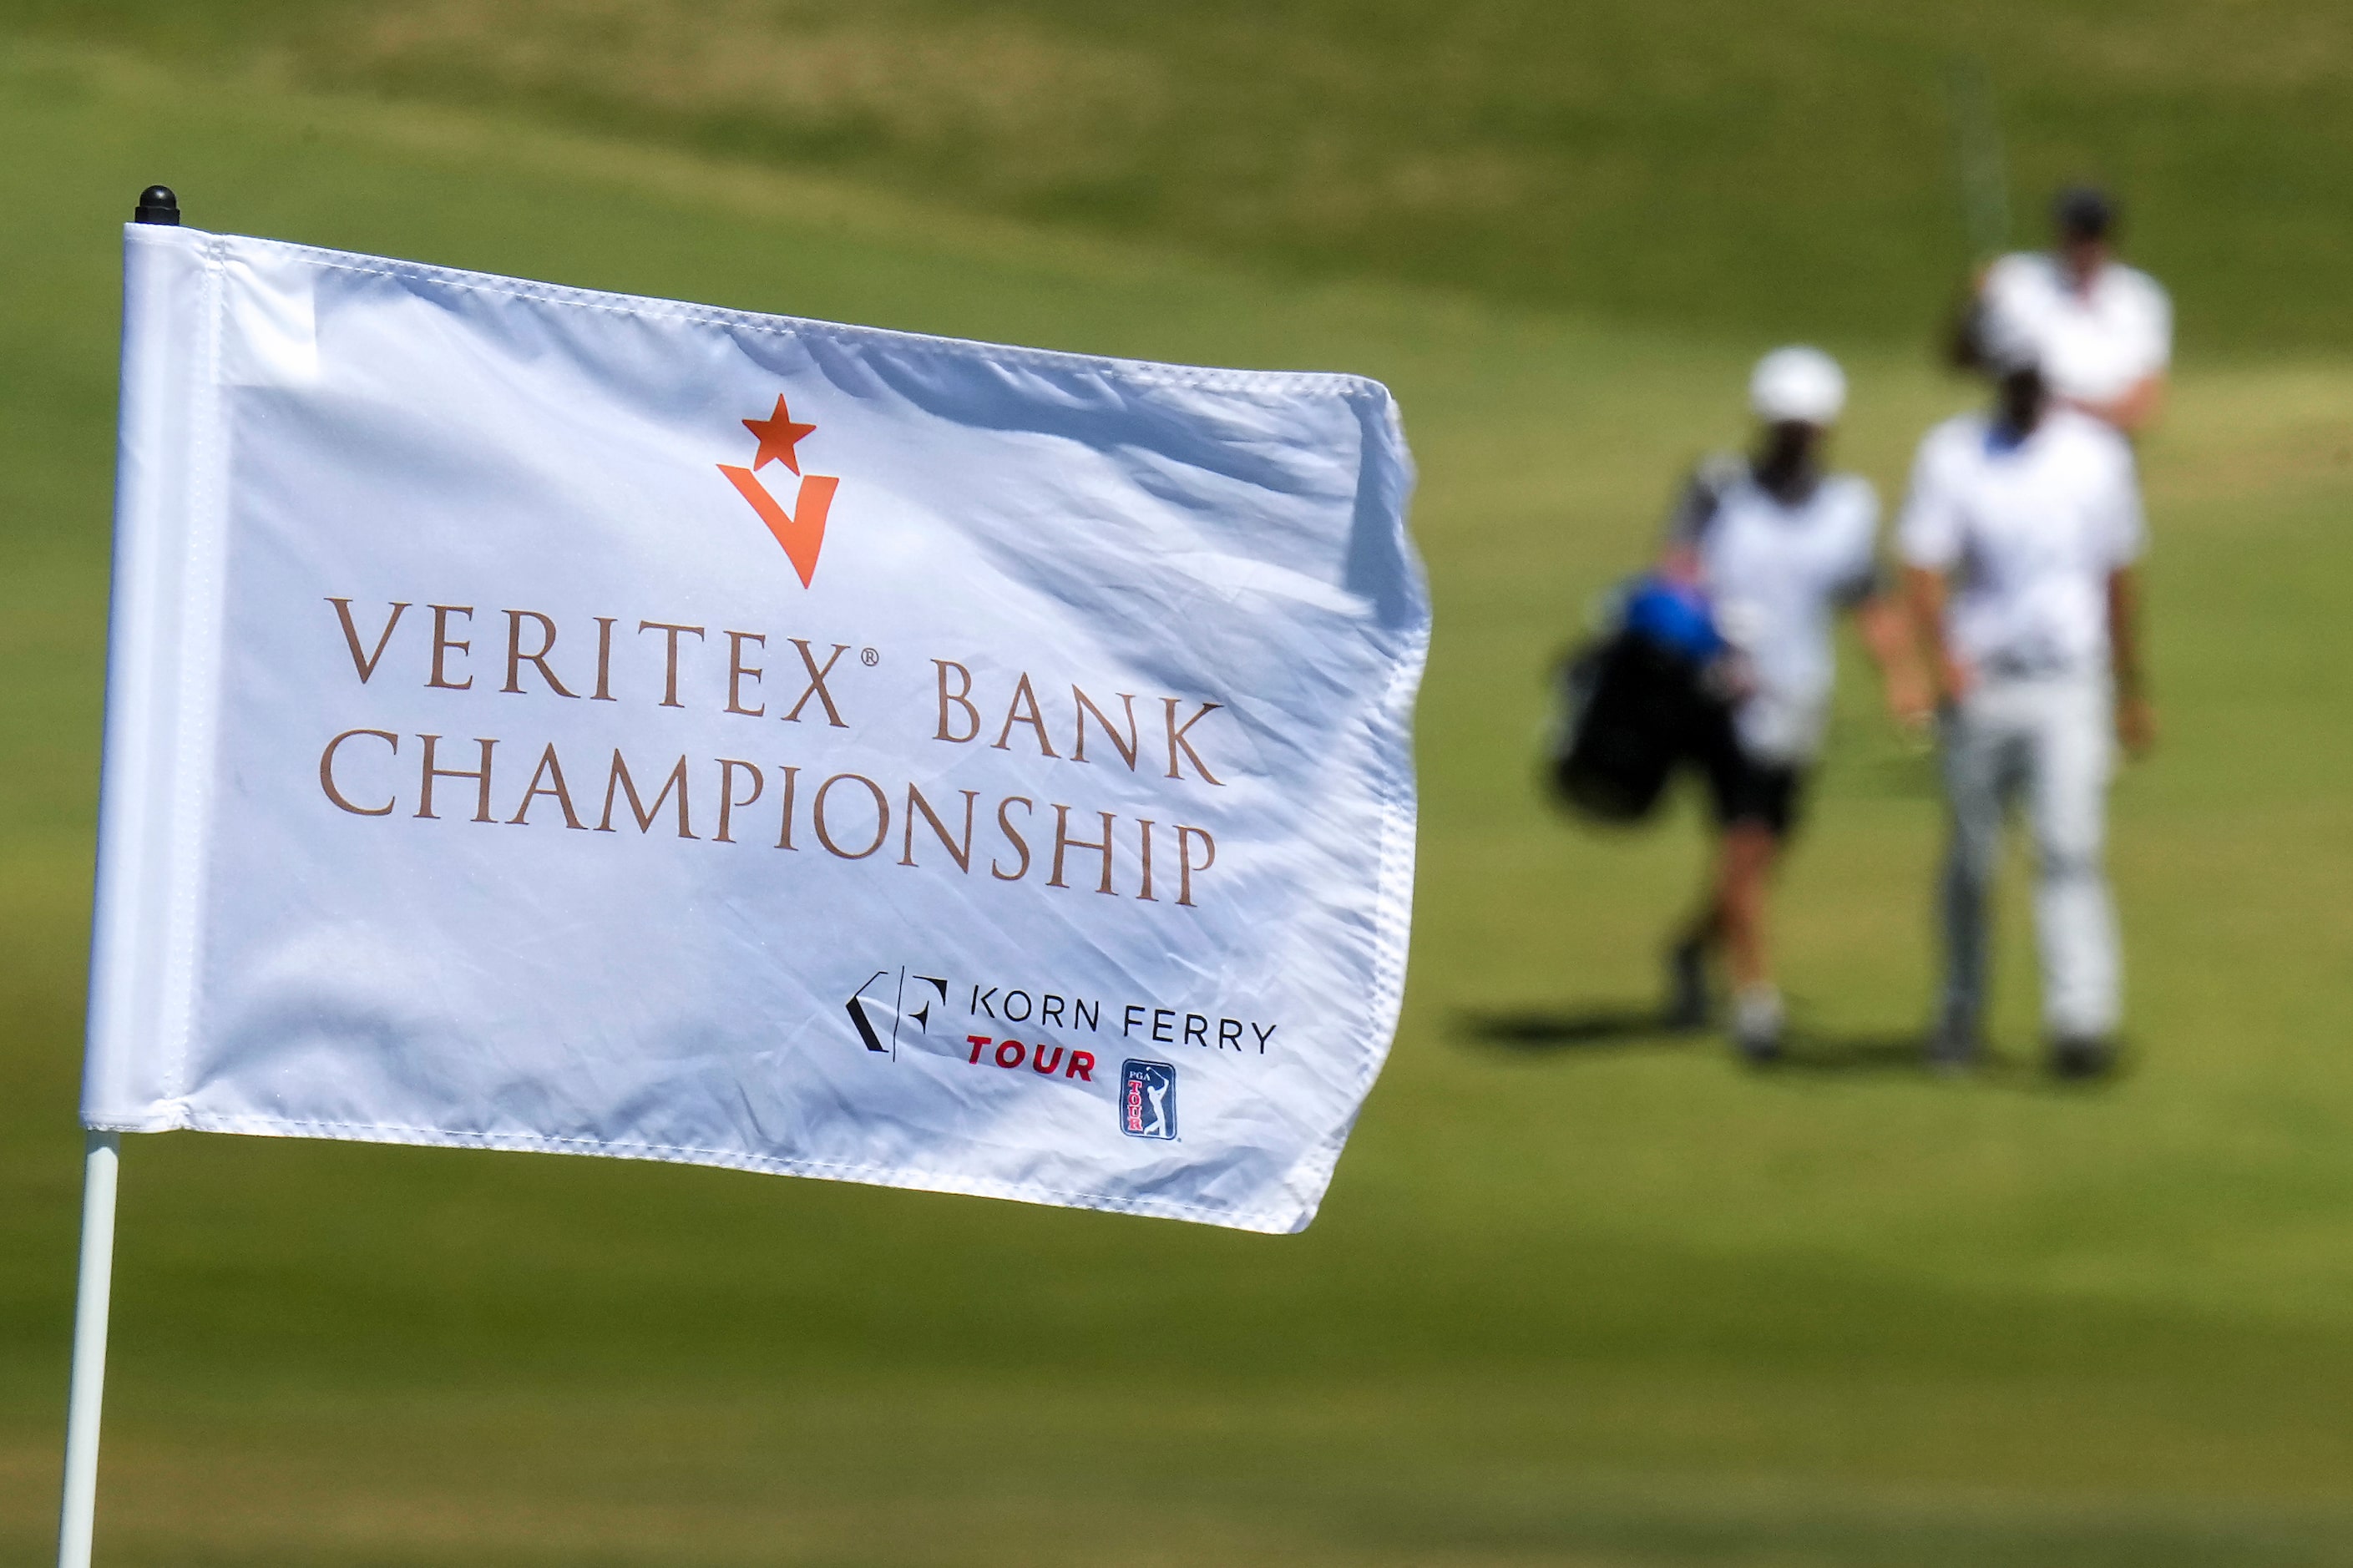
(127, 836)
(90, 1299)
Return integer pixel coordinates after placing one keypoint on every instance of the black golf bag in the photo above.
(1633, 706)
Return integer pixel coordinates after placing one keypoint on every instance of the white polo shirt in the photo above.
(2095, 345)
(1773, 575)
(2029, 533)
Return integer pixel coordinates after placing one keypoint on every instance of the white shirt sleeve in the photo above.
(2149, 334)
(1697, 502)
(2011, 282)
(2123, 528)
(2022, 296)
(1860, 577)
(1928, 533)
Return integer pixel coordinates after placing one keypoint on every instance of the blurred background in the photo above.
(1584, 1297)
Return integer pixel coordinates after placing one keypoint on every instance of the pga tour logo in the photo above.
(1147, 1100)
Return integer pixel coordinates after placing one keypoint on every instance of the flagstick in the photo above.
(88, 1386)
(101, 1159)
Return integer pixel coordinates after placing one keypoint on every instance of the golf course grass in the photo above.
(1581, 1293)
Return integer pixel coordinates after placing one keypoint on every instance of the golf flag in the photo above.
(558, 721)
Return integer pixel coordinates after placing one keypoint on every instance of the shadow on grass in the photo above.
(1822, 1050)
(1575, 1028)
(1804, 1051)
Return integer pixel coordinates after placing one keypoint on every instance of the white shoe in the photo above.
(1756, 1023)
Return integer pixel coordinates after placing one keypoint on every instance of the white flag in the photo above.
(558, 721)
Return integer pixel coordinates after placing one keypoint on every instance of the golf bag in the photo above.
(1638, 702)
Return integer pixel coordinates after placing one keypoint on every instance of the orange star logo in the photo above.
(800, 529)
(778, 436)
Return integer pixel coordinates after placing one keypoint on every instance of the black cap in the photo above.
(157, 204)
(2083, 212)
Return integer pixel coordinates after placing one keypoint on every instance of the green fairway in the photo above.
(1590, 1298)
(1784, 169)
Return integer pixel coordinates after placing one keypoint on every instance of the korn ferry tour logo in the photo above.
(801, 530)
(881, 1008)
(1057, 1040)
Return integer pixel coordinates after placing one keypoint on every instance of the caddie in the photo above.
(1777, 547)
(2019, 539)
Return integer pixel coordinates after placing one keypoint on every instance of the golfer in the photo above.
(1776, 546)
(2101, 332)
(2018, 541)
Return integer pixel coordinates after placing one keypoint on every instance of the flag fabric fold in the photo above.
(548, 720)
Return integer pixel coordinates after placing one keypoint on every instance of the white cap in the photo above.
(1797, 383)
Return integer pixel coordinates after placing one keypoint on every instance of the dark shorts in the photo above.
(1743, 790)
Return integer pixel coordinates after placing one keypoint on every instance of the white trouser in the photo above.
(2049, 738)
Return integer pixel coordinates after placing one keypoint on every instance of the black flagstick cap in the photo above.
(157, 204)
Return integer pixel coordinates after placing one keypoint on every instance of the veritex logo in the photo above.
(800, 530)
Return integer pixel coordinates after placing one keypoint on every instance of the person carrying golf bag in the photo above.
(1725, 663)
